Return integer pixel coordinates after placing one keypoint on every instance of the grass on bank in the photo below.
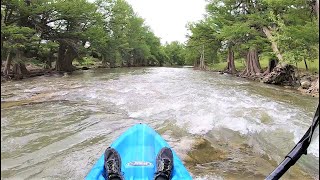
(85, 61)
(264, 61)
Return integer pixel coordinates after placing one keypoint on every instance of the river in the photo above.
(221, 126)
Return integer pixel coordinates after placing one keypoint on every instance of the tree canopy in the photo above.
(283, 29)
(62, 31)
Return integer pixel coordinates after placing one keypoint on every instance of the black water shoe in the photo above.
(112, 164)
(164, 164)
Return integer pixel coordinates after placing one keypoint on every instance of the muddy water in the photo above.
(222, 127)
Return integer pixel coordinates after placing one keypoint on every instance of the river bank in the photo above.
(306, 83)
(34, 70)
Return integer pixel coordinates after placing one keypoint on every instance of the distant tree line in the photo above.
(61, 31)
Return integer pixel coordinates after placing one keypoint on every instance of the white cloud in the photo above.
(168, 18)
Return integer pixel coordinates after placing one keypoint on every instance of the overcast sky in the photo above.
(168, 18)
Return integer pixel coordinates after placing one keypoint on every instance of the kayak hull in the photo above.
(138, 148)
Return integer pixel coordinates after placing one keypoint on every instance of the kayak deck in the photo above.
(138, 148)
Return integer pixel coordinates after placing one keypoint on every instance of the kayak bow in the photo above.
(138, 148)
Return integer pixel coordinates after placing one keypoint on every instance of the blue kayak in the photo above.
(138, 148)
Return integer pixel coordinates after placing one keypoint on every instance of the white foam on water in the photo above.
(239, 124)
(208, 178)
(314, 145)
(201, 105)
(200, 126)
(193, 100)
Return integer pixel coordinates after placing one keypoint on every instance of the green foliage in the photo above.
(110, 28)
(35, 61)
(117, 35)
(205, 37)
(86, 61)
(122, 38)
(48, 48)
(17, 37)
(175, 52)
(300, 42)
(239, 25)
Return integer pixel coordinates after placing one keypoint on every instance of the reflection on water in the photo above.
(221, 126)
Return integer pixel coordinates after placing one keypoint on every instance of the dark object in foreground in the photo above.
(139, 147)
(300, 149)
(112, 164)
(164, 164)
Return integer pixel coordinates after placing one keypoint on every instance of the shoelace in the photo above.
(111, 165)
(165, 165)
(164, 169)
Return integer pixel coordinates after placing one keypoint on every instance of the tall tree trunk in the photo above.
(272, 64)
(131, 60)
(317, 9)
(61, 55)
(202, 65)
(145, 62)
(196, 63)
(274, 44)
(48, 64)
(134, 61)
(65, 57)
(19, 68)
(305, 63)
(70, 56)
(112, 63)
(102, 59)
(8, 64)
(2, 37)
(160, 63)
(252, 64)
(129, 64)
(230, 62)
(17, 71)
(2, 40)
(23, 69)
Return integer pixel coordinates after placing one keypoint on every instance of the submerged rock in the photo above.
(309, 84)
(203, 152)
(314, 88)
(305, 84)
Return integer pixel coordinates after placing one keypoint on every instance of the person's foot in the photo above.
(112, 164)
(164, 163)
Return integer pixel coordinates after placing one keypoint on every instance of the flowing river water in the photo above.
(222, 127)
